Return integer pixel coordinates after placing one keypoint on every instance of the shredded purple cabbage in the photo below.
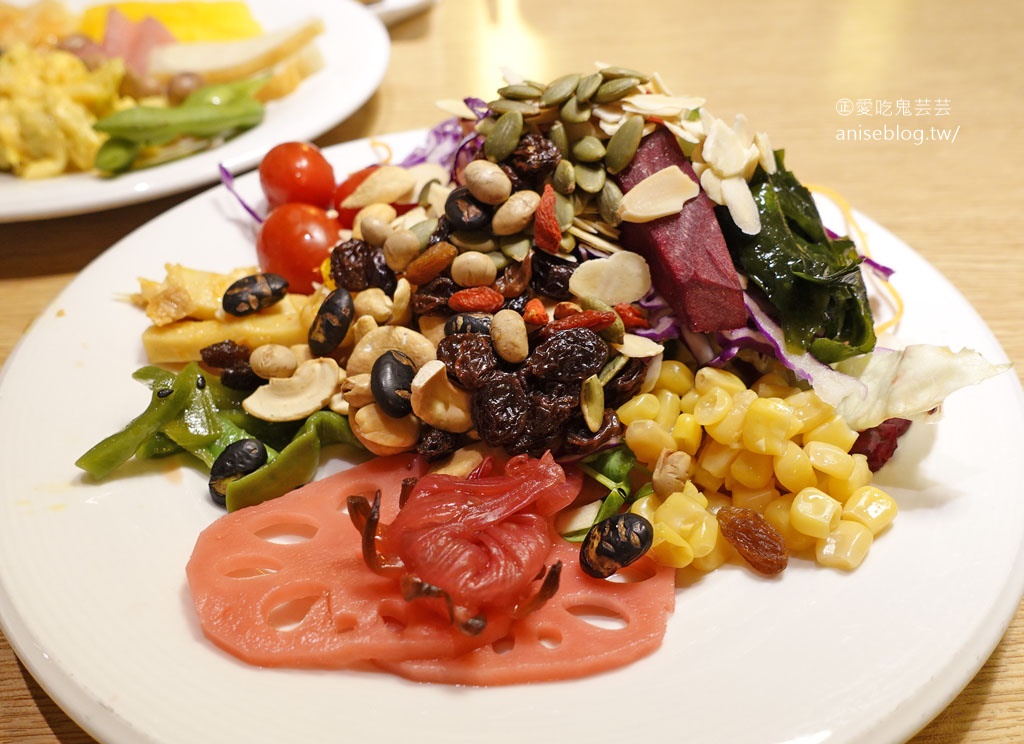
(229, 183)
(884, 271)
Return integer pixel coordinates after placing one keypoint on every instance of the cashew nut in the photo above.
(375, 303)
(381, 339)
(294, 398)
(381, 434)
(356, 390)
(438, 402)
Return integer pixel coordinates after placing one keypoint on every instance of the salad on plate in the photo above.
(586, 339)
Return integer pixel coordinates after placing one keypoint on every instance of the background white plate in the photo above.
(93, 597)
(356, 49)
(395, 11)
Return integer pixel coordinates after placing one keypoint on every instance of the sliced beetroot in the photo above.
(690, 263)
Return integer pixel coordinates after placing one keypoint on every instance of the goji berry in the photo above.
(476, 300)
(534, 313)
(547, 234)
(595, 320)
(632, 316)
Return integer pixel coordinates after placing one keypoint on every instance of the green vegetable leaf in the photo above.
(812, 280)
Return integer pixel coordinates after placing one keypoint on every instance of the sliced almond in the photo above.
(742, 209)
(388, 183)
(638, 347)
(622, 277)
(659, 195)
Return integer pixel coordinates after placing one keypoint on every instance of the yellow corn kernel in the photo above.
(834, 431)
(647, 440)
(645, 506)
(768, 425)
(719, 555)
(712, 406)
(772, 385)
(754, 498)
(845, 547)
(693, 493)
(829, 459)
(687, 433)
(668, 408)
(716, 458)
(752, 470)
(688, 518)
(643, 407)
(842, 488)
(688, 401)
(730, 428)
(793, 469)
(871, 507)
(815, 513)
(675, 376)
(811, 410)
(706, 480)
(777, 514)
(709, 378)
(669, 548)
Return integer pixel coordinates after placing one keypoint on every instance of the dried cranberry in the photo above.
(879, 443)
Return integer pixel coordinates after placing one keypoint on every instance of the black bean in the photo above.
(614, 543)
(468, 323)
(238, 458)
(465, 212)
(331, 323)
(391, 383)
(253, 293)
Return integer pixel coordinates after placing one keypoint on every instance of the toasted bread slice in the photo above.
(223, 62)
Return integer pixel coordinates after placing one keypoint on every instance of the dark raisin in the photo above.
(356, 265)
(432, 297)
(469, 358)
(569, 356)
(225, 354)
(500, 409)
(443, 231)
(435, 443)
(550, 276)
(533, 160)
(514, 279)
(580, 441)
(517, 303)
(241, 377)
(626, 383)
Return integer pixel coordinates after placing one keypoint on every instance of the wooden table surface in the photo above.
(791, 66)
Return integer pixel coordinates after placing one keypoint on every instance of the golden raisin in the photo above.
(429, 264)
(754, 538)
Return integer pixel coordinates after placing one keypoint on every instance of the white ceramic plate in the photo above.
(395, 11)
(356, 49)
(93, 596)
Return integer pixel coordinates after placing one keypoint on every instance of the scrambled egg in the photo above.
(49, 100)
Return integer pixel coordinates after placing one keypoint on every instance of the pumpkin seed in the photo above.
(614, 333)
(592, 402)
(481, 241)
(588, 86)
(588, 149)
(520, 92)
(564, 211)
(485, 126)
(559, 90)
(612, 368)
(500, 259)
(564, 178)
(611, 73)
(567, 244)
(504, 105)
(624, 143)
(516, 247)
(558, 135)
(590, 177)
(574, 112)
(423, 230)
(614, 89)
(609, 201)
(504, 136)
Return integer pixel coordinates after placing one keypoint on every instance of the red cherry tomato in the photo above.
(296, 172)
(293, 241)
